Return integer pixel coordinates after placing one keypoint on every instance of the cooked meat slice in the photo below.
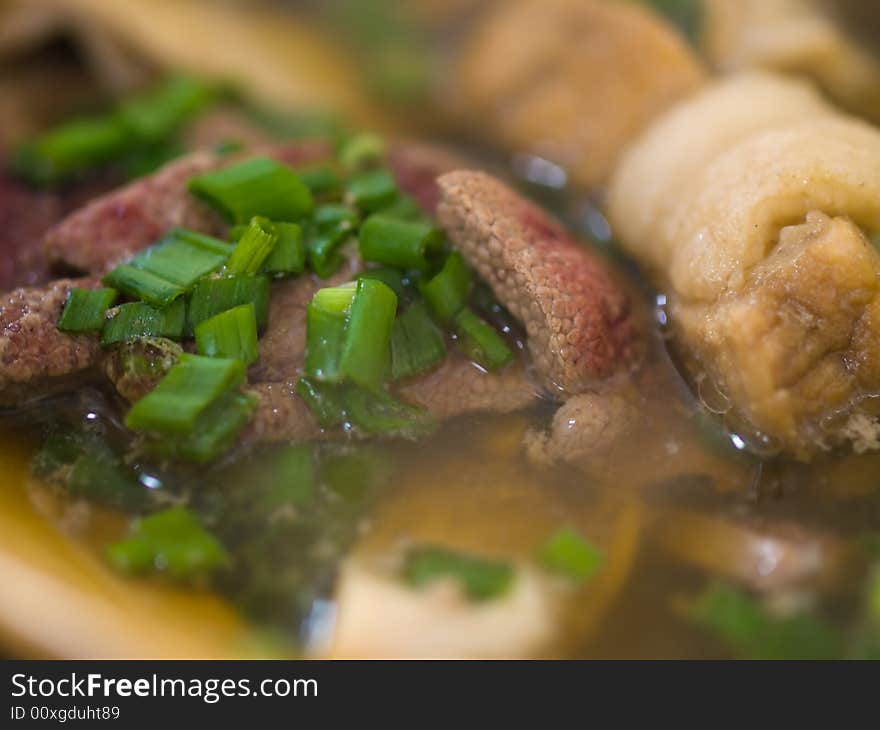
(119, 224)
(578, 319)
(417, 166)
(25, 216)
(35, 358)
(584, 428)
(571, 80)
(458, 386)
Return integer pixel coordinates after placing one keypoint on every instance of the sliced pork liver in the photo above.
(578, 319)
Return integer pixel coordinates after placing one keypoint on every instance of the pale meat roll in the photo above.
(800, 37)
(650, 182)
(759, 241)
(571, 80)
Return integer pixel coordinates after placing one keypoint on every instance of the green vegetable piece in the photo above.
(230, 334)
(567, 553)
(480, 579)
(192, 385)
(256, 187)
(85, 310)
(171, 542)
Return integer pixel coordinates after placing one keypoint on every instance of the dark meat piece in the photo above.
(121, 223)
(458, 386)
(578, 319)
(35, 358)
(25, 216)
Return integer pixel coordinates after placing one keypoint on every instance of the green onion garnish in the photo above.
(396, 280)
(480, 579)
(172, 541)
(217, 294)
(72, 148)
(417, 345)
(371, 191)
(323, 250)
(447, 293)
(135, 320)
(480, 341)
(367, 348)
(213, 433)
(253, 248)
(377, 412)
(169, 268)
(403, 244)
(361, 151)
(289, 254)
(154, 116)
(325, 401)
(326, 322)
(567, 553)
(192, 385)
(85, 309)
(255, 187)
(230, 334)
(290, 477)
(322, 181)
(742, 622)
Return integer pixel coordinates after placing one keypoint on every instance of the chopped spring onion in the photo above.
(227, 147)
(171, 541)
(169, 268)
(326, 321)
(371, 191)
(253, 248)
(215, 295)
(405, 208)
(289, 254)
(447, 292)
(417, 345)
(321, 180)
(192, 385)
(362, 151)
(480, 341)
(480, 579)
(135, 320)
(377, 412)
(154, 116)
(325, 401)
(255, 187)
(290, 477)
(336, 216)
(371, 411)
(70, 149)
(352, 473)
(567, 553)
(755, 633)
(85, 309)
(230, 334)
(367, 348)
(397, 281)
(332, 224)
(213, 434)
(402, 244)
